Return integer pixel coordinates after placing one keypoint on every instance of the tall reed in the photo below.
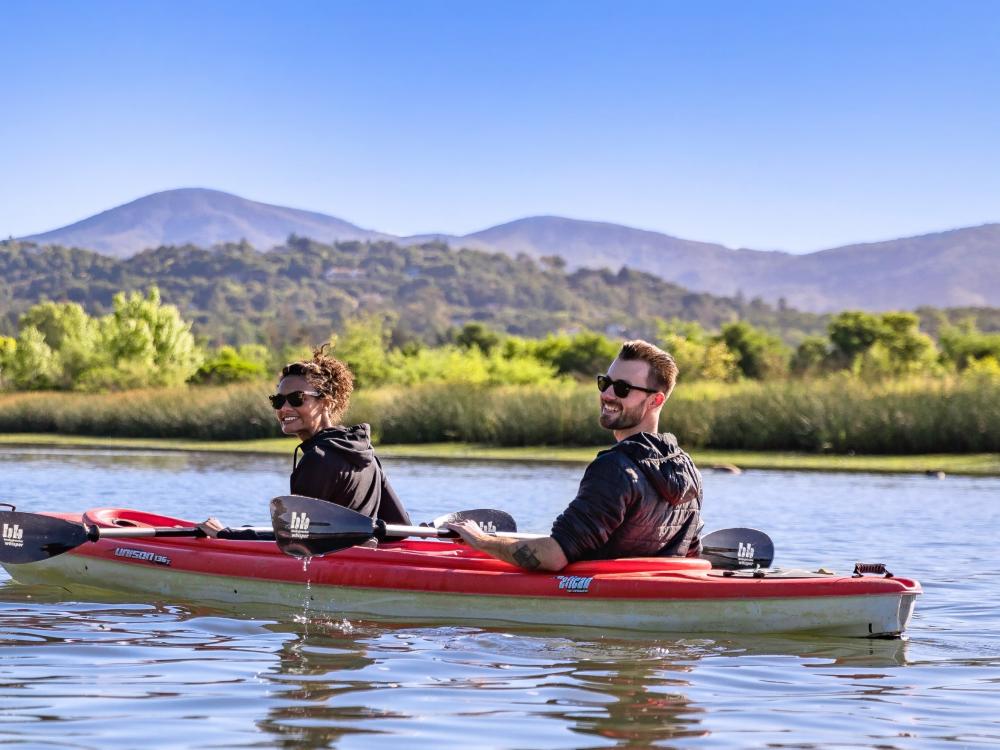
(238, 412)
(838, 415)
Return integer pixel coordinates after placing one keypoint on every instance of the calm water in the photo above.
(125, 673)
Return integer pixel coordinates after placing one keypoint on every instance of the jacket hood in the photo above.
(354, 443)
(669, 469)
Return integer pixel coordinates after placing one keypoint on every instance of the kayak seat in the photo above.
(127, 517)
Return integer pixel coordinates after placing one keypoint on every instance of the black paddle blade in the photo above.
(490, 520)
(307, 527)
(30, 537)
(733, 549)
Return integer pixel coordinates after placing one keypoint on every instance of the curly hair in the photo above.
(331, 378)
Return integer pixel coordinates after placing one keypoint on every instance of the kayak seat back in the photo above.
(123, 517)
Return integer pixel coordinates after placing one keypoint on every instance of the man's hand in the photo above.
(530, 554)
(470, 532)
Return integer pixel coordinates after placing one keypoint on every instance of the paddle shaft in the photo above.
(391, 530)
(135, 532)
(431, 532)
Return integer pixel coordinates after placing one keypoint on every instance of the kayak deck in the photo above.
(442, 580)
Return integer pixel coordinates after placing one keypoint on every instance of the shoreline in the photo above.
(976, 464)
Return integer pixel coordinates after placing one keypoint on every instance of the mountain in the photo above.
(304, 290)
(956, 268)
(591, 244)
(200, 217)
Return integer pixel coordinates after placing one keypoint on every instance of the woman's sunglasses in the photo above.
(621, 387)
(294, 398)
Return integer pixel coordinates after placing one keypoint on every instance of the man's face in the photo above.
(625, 413)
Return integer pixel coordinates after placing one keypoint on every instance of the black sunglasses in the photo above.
(294, 398)
(622, 387)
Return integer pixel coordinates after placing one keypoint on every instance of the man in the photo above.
(640, 497)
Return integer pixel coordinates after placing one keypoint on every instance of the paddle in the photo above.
(30, 537)
(735, 549)
(306, 527)
(490, 520)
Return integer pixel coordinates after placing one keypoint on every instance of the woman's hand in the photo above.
(211, 526)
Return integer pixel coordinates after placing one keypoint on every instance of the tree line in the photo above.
(143, 342)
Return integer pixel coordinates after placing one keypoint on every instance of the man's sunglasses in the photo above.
(622, 387)
(294, 398)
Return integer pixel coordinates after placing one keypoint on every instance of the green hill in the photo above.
(302, 291)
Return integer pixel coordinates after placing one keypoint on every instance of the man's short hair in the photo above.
(662, 368)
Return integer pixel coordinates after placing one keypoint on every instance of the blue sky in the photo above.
(771, 125)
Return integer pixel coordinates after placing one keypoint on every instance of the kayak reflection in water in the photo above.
(337, 463)
(641, 497)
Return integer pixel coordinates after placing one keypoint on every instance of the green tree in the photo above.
(810, 356)
(909, 350)
(872, 345)
(34, 366)
(962, 345)
(697, 355)
(57, 342)
(582, 354)
(70, 334)
(852, 333)
(231, 365)
(147, 342)
(8, 347)
(477, 335)
(759, 355)
(363, 345)
(523, 370)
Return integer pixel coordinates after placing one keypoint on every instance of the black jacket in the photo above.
(339, 464)
(641, 497)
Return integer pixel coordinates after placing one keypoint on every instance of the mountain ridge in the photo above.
(950, 268)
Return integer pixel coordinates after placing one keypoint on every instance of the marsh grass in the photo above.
(238, 412)
(840, 415)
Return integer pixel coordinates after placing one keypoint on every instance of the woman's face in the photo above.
(306, 420)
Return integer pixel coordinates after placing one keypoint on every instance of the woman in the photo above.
(337, 463)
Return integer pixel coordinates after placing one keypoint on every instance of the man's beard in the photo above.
(625, 419)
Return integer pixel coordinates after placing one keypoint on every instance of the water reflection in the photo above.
(319, 681)
(340, 679)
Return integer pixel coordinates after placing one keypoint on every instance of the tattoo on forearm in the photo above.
(525, 557)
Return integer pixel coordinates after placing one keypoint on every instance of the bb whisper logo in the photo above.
(13, 535)
(744, 553)
(299, 525)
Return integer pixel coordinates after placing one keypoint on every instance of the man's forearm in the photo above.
(530, 554)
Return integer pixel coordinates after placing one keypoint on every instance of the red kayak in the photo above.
(442, 581)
